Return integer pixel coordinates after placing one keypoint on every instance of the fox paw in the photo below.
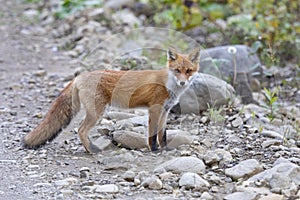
(94, 149)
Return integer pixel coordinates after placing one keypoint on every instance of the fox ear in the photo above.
(194, 56)
(171, 54)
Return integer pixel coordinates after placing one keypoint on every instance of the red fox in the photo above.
(158, 90)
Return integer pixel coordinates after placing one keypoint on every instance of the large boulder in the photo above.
(206, 90)
(232, 62)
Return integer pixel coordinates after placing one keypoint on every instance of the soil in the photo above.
(32, 73)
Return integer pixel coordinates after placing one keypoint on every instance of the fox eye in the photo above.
(188, 71)
(177, 71)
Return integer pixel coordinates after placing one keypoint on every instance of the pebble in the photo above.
(108, 188)
(238, 122)
(241, 195)
(206, 196)
(271, 134)
(129, 175)
(65, 182)
(153, 183)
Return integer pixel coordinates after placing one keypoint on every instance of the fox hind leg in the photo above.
(93, 113)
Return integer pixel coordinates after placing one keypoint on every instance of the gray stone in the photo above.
(108, 188)
(281, 176)
(272, 197)
(236, 123)
(241, 195)
(65, 182)
(279, 181)
(243, 169)
(272, 142)
(120, 115)
(117, 4)
(175, 138)
(129, 175)
(225, 61)
(103, 143)
(192, 180)
(153, 183)
(205, 90)
(127, 17)
(216, 156)
(271, 134)
(182, 164)
(206, 196)
(130, 139)
(136, 121)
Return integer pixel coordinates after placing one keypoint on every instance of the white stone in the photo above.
(65, 182)
(192, 180)
(130, 139)
(243, 169)
(108, 188)
(182, 164)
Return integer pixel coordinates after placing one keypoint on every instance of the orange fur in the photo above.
(158, 90)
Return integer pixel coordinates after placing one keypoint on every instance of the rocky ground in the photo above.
(232, 153)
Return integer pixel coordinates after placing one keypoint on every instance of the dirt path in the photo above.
(19, 54)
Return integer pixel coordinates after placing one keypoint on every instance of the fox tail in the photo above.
(61, 112)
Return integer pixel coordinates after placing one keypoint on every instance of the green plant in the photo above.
(273, 24)
(271, 101)
(181, 14)
(214, 115)
(71, 6)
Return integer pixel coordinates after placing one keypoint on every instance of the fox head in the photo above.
(183, 67)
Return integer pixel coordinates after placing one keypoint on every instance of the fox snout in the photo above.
(182, 83)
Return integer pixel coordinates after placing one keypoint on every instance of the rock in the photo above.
(243, 169)
(206, 196)
(65, 182)
(127, 17)
(40, 73)
(103, 143)
(257, 110)
(135, 121)
(192, 180)
(108, 188)
(205, 90)
(129, 175)
(175, 138)
(121, 161)
(166, 175)
(241, 195)
(120, 115)
(31, 13)
(284, 177)
(279, 181)
(220, 62)
(117, 4)
(236, 123)
(130, 139)
(182, 164)
(95, 14)
(216, 156)
(272, 197)
(153, 183)
(271, 134)
(269, 143)
(156, 185)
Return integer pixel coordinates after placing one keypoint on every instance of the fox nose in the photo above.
(182, 83)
